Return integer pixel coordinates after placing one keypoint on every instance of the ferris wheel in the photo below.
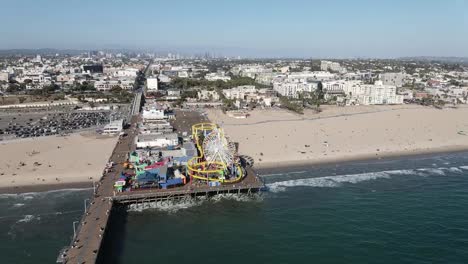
(217, 149)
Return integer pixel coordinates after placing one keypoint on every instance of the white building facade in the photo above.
(152, 84)
(372, 94)
(292, 89)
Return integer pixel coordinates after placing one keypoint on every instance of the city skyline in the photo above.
(387, 29)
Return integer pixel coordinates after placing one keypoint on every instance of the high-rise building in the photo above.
(152, 84)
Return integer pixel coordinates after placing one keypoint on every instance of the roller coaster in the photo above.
(217, 160)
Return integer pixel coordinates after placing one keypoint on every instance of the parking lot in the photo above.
(185, 119)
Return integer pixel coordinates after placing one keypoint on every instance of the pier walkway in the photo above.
(87, 241)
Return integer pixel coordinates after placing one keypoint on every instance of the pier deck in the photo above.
(250, 184)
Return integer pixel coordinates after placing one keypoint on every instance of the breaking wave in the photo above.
(28, 218)
(336, 181)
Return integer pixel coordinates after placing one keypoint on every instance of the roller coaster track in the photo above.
(199, 168)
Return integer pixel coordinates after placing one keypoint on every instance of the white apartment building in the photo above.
(208, 95)
(129, 72)
(292, 89)
(371, 94)
(152, 84)
(332, 66)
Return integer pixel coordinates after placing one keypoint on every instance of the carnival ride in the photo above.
(217, 160)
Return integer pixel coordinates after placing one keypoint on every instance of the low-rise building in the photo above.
(173, 94)
(113, 127)
(157, 140)
(240, 92)
(156, 127)
(106, 85)
(151, 113)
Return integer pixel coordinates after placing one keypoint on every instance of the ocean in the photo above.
(407, 210)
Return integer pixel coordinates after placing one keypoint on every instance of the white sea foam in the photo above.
(455, 169)
(327, 181)
(16, 205)
(399, 172)
(28, 218)
(336, 181)
(282, 174)
(437, 171)
(166, 206)
(236, 197)
(174, 205)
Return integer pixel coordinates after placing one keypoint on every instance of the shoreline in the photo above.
(284, 167)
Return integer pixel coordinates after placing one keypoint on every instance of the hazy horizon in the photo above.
(333, 29)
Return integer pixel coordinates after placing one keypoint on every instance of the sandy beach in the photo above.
(41, 163)
(275, 138)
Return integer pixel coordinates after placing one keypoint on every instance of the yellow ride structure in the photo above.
(216, 160)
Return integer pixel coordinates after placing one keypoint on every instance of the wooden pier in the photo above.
(251, 184)
(87, 241)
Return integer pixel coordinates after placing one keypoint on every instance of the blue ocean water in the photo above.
(408, 210)
(35, 226)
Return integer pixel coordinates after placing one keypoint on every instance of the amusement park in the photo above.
(162, 156)
(170, 160)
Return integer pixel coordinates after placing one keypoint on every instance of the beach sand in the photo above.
(72, 161)
(276, 138)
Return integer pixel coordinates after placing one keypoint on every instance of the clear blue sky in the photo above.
(332, 28)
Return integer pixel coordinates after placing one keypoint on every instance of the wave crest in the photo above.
(336, 181)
